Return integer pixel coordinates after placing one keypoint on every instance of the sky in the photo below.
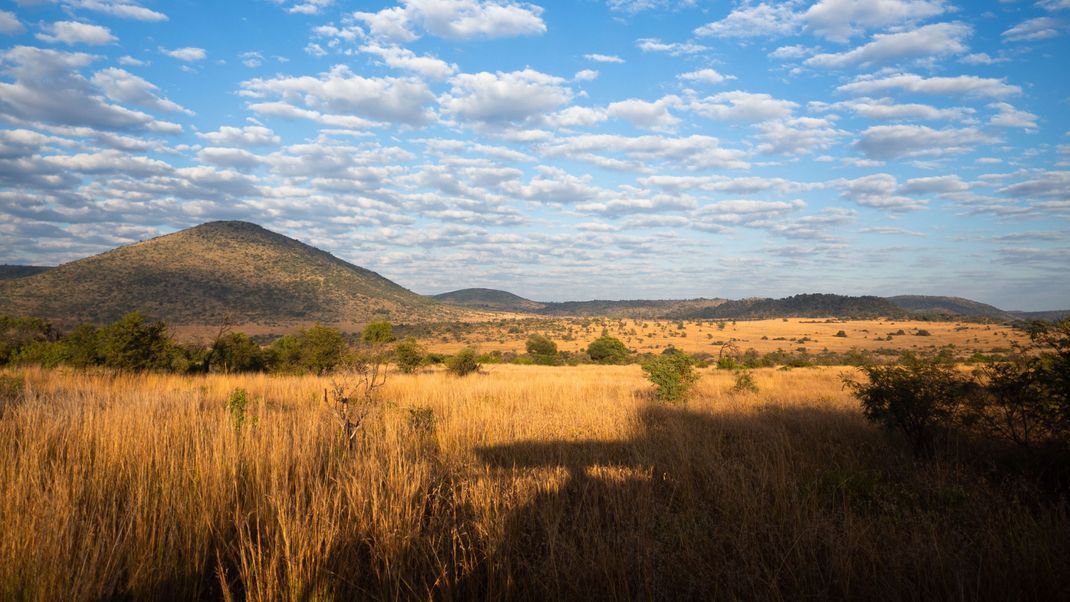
(611, 149)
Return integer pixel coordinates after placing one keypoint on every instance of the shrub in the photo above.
(236, 405)
(923, 333)
(841, 334)
(379, 331)
(321, 349)
(538, 344)
(607, 350)
(131, 343)
(236, 352)
(464, 362)
(16, 333)
(409, 355)
(917, 397)
(744, 383)
(672, 374)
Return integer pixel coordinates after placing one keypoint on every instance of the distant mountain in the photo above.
(199, 275)
(10, 272)
(489, 299)
(1058, 314)
(808, 305)
(954, 306)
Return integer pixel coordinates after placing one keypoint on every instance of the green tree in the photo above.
(132, 343)
(321, 349)
(409, 355)
(284, 354)
(542, 349)
(607, 350)
(83, 346)
(464, 362)
(673, 375)
(236, 352)
(379, 331)
(16, 333)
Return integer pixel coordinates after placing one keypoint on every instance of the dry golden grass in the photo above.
(534, 483)
(763, 335)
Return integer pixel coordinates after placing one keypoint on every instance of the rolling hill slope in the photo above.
(199, 275)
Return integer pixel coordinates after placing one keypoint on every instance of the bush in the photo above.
(672, 374)
(409, 355)
(923, 333)
(131, 343)
(918, 398)
(607, 350)
(236, 352)
(379, 331)
(841, 334)
(540, 346)
(321, 349)
(236, 406)
(463, 363)
(744, 383)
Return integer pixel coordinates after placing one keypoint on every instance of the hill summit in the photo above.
(200, 275)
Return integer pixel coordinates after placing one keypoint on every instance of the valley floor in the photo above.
(522, 482)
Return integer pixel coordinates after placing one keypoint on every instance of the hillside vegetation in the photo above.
(204, 273)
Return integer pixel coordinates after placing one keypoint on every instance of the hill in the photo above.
(489, 299)
(808, 305)
(10, 272)
(956, 306)
(200, 275)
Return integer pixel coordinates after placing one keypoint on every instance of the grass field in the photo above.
(529, 483)
(706, 336)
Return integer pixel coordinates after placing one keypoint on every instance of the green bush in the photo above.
(321, 349)
(132, 343)
(236, 352)
(672, 374)
(607, 350)
(464, 362)
(237, 403)
(542, 350)
(409, 355)
(841, 334)
(744, 383)
(379, 331)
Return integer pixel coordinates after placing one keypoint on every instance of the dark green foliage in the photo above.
(321, 349)
(923, 333)
(379, 331)
(83, 346)
(236, 406)
(464, 362)
(132, 343)
(841, 334)
(673, 375)
(607, 350)
(538, 344)
(409, 355)
(918, 397)
(18, 332)
(236, 352)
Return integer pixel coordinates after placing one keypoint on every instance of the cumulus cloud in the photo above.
(1008, 116)
(705, 76)
(73, 32)
(753, 20)
(647, 115)
(247, 136)
(407, 60)
(1031, 30)
(671, 48)
(48, 87)
(798, 136)
(930, 41)
(504, 97)
(890, 142)
(738, 105)
(122, 86)
(9, 23)
(886, 109)
(637, 153)
(879, 191)
(960, 85)
(188, 54)
(603, 58)
(339, 91)
(840, 20)
(454, 19)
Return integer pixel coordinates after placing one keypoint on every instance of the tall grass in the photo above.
(532, 483)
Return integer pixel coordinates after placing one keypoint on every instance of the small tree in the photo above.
(672, 374)
(542, 349)
(379, 331)
(132, 343)
(409, 355)
(917, 397)
(607, 350)
(236, 352)
(464, 362)
(321, 349)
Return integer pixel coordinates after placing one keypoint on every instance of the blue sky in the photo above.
(560, 150)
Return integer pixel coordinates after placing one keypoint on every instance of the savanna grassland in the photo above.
(697, 336)
(519, 482)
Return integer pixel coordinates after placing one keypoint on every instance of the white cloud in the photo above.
(499, 98)
(251, 59)
(129, 61)
(961, 85)
(981, 58)
(454, 19)
(573, 117)
(341, 92)
(405, 59)
(1054, 5)
(310, 7)
(691, 152)
(888, 109)
(9, 23)
(233, 158)
(879, 191)
(742, 106)
(890, 142)
(585, 75)
(930, 41)
(603, 58)
(1010, 117)
(188, 54)
(118, 8)
(674, 48)
(763, 19)
(798, 136)
(840, 20)
(250, 135)
(647, 115)
(48, 88)
(790, 52)
(122, 86)
(934, 185)
(706, 76)
(1030, 30)
(73, 32)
